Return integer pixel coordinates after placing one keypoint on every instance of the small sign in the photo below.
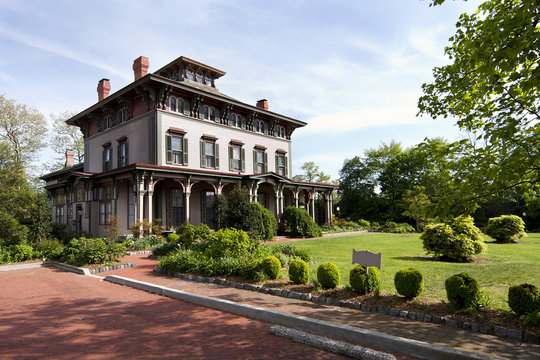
(366, 258)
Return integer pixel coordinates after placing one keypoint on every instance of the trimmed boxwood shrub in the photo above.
(409, 282)
(173, 238)
(164, 248)
(51, 249)
(462, 291)
(299, 271)
(506, 228)
(328, 275)
(265, 227)
(271, 267)
(456, 240)
(361, 281)
(300, 223)
(524, 299)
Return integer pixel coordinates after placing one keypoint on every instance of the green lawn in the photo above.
(502, 265)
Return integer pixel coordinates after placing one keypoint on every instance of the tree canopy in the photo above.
(312, 173)
(66, 137)
(492, 89)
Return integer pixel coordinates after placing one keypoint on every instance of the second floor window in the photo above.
(260, 161)
(237, 157)
(107, 158)
(122, 154)
(177, 149)
(209, 154)
(281, 164)
(172, 105)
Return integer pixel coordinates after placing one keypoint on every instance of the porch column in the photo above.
(295, 195)
(186, 204)
(150, 197)
(331, 198)
(140, 199)
(276, 195)
(312, 199)
(281, 209)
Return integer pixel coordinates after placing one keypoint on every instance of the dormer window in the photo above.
(259, 126)
(280, 131)
(122, 115)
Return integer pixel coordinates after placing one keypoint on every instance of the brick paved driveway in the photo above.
(46, 313)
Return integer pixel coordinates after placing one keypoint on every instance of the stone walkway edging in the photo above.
(499, 331)
(11, 267)
(336, 331)
(139, 252)
(86, 271)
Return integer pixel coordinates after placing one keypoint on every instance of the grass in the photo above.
(501, 266)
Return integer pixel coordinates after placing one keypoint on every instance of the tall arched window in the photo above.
(180, 105)
(172, 106)
(212, 114)
(205, 112)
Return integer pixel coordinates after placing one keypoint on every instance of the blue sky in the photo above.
(352, 70)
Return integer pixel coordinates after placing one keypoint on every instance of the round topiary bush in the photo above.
(300, 223)
(361, 281)
(299, 271)
(328, 275)
(506, 228)
(462, 290)
(271, 266)
(456, 240)
(524, 299)
(173, 238)
(409, 282)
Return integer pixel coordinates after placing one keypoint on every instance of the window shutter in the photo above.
(119, 156)
(203, 158)
(277, 164)
(243, 123)
(265, 128)
(254, 161)
(230, 158)
(216, 114)
(286, 166)
(217, 156)
(127, 153)
(186, 107)
(168, 146)
(230, 121)
(265, 162)
(185, 150)
(104, 156)
(243, 159)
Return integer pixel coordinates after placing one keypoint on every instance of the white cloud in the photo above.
(399, 109)
(57, 49)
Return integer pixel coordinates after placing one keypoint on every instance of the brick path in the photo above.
(428, 332)
(47, 313)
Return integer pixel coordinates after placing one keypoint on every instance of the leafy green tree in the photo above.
(22, 128)
(312, 173)
(417, 204)
(492, 89)
(65, 137)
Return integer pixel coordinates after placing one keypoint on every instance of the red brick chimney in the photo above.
(69, 158)
(263, 104)
(140, 67)
(103, 88)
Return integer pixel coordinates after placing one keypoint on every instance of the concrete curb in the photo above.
(336, 331)
(21, 266)
(70, 268)
(336, 347)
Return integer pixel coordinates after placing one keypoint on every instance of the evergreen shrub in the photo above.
(363, 282)
(506, 228)
(173, 238)
(23, 252)
(457, 240)
(328, 275)
(271, 266)
(409, 282)
(164, 248)
(462, 291)
(299, 271)
(266, 226)
(300, 223)
(524, 299)
(51, 249)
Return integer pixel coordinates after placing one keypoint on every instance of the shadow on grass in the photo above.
(416, 258)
